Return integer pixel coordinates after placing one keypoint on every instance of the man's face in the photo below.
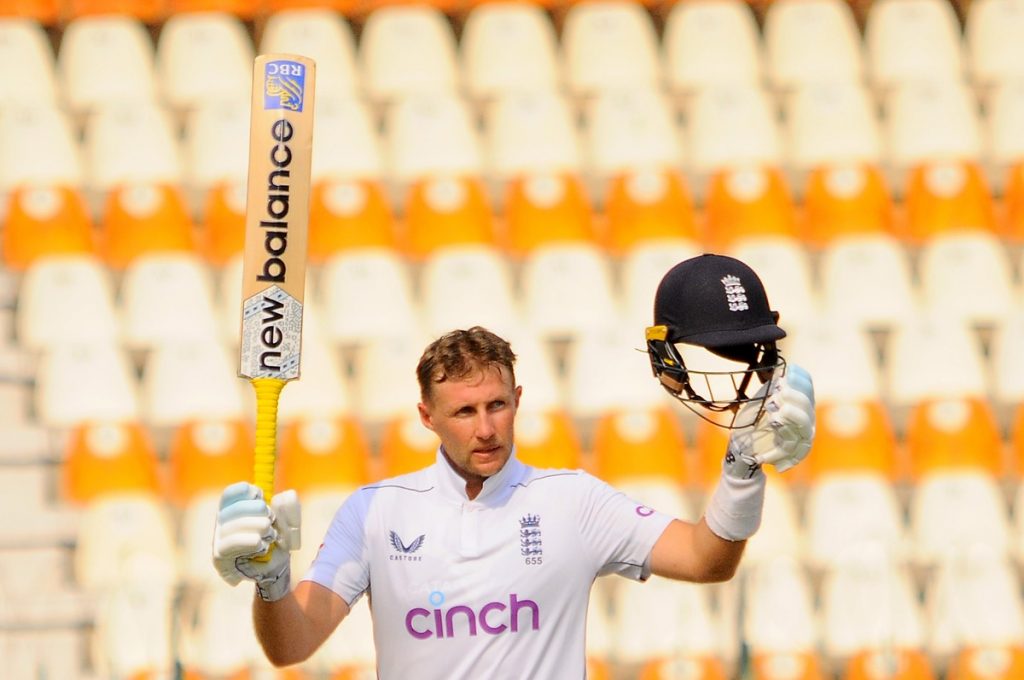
(474, 420)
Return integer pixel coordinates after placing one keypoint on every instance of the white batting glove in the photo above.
(783, 435)
(247, 528)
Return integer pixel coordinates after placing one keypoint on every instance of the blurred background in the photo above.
(534, 168)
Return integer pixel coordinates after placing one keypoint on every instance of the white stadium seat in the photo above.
(323, 35)
(429, 135)
(732, 125)
(216, 145)
(838, 355)
(323, 391)
(867, 280)
(869, 603)
(609, 45)
(1008, 362)
(912, 40)
(66, 300)
(468, 286)
(779, 616)
(710, 43)
(528, 133)
(631, 129)
(202, 56)
(809, 42)
(129, 143)
(37, 146)
(927, 121)
(833, 122)
(954, 512)
(994, 53)
(80, 383)
(1004, 124)
(967, 275)
(103, 60)
(24, 42)
(917, 346)
(508, 47)
(367, 296)
(974, 601)
(151, 285)
(346, 144)
(405, 50)
(567, 290)
(188, 381)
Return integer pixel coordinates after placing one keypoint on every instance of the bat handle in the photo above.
(268, 393)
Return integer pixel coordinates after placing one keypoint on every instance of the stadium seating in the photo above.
(534, 168)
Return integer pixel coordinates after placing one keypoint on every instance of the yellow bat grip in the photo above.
(268, 392)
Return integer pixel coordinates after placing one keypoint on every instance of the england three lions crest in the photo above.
(284, 85)
(530, 545)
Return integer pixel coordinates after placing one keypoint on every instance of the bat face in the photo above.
(277, 216)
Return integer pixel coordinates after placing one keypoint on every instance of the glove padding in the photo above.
(785, 430)
(247, 528)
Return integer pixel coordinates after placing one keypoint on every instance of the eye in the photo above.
(497, 405)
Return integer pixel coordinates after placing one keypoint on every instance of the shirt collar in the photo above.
(454, 487)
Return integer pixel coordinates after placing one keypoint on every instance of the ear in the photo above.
(519, 395)
(425, 417)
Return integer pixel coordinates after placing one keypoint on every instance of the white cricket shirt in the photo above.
(494, 588)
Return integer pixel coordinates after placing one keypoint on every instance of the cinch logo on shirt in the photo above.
(494, 618)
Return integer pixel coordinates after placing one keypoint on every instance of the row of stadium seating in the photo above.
(106, 67)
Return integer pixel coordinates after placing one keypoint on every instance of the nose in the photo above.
(485, 427)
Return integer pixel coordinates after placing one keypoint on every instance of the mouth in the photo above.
(487, 450)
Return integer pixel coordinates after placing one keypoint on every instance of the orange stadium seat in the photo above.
(853, 437)
(348, 215)
(43, 11)
(846, 200)
(318, 453)
(446, 211)
(548, 439)
(149, 11)
(640, 444)
(645, 206)
(988, 663)
(710, 446)
(951, 434)
(46, 221)
(690, 667)
(1013, 197)
(787, 666)
(143, 219)
(947, 196)
(545, 209)
(223, 236)
(1017, 439)
(206, 456)
(109, 458)
(899, 664)
(748, 202)
(244, 9)
(406, 446)
(346, 7)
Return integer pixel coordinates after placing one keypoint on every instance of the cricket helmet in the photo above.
(718, 303)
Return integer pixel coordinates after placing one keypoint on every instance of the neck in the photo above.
(474, 483)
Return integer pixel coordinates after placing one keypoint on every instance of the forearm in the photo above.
(292, 628)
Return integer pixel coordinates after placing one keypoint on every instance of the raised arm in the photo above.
(710, 550)
(290, 624)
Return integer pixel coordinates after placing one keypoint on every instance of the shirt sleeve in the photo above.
(618, 531)
(342, 563)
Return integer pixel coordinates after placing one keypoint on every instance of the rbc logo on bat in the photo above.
(283, 85)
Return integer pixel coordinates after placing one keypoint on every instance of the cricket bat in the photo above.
(276, 226)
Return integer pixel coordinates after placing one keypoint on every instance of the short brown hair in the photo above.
(457, 354)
